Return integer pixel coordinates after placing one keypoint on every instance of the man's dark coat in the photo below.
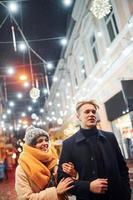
(75, 149)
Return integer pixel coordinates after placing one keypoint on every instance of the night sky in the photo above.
(39, 20)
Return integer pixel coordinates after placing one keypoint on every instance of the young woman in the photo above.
(34, 178)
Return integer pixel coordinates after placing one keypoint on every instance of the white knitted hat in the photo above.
(32, 133)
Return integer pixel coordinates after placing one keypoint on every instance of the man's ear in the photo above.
(78, 116)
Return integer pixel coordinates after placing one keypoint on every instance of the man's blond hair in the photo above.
(81, 103)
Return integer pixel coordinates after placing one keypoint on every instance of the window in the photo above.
(94, 48)
(76, 80)
(83, 70)
(111, 25)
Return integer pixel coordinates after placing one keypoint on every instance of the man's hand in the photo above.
(99, 186)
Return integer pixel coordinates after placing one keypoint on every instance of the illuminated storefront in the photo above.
(120, 116)
(123, 130)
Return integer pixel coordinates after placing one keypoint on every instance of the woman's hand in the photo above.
(64, 185)
(55, 174)
(68, 168)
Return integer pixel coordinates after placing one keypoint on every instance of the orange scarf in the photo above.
(37, 164)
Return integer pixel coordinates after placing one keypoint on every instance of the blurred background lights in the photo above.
(41, 110)
(8, 111)
(60, 121)
(23, 114)
(4, 116)
(14, 156)
(45, 91)
(21, 144)
(11, 128)
(50, 103)
(34, 100)
(29, 108)
(33, 116)
(13, 7)
(34, 123)
(20, 121)
(57, 94)
(55, 79)
(26, 84)
(67, 2)
(10, 70)
(64, 41)
(81, 58)
(53, 113)
(19, 150)
(4, 129)
(23, 77)
(11, 104)
(19, 95)
(22, 46)
(44, 123)
(49, 65)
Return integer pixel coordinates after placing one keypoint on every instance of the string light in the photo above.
(60, 121)
(100, 8)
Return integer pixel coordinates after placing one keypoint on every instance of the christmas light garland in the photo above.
(100, 8)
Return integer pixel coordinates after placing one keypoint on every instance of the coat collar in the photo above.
(79, 136)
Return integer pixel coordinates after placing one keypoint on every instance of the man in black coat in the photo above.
(96, 156)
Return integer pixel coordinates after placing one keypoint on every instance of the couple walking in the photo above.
(91, 165)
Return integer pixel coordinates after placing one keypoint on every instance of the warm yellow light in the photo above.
(23, 77)
(25, 122)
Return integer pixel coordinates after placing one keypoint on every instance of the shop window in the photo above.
(127, 86)
(115, 106)
(123, 130)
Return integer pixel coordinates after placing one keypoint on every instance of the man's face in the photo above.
(87, 116)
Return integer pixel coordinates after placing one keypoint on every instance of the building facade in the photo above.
(98, 56)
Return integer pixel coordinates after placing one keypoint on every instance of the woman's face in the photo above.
(42, 143)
